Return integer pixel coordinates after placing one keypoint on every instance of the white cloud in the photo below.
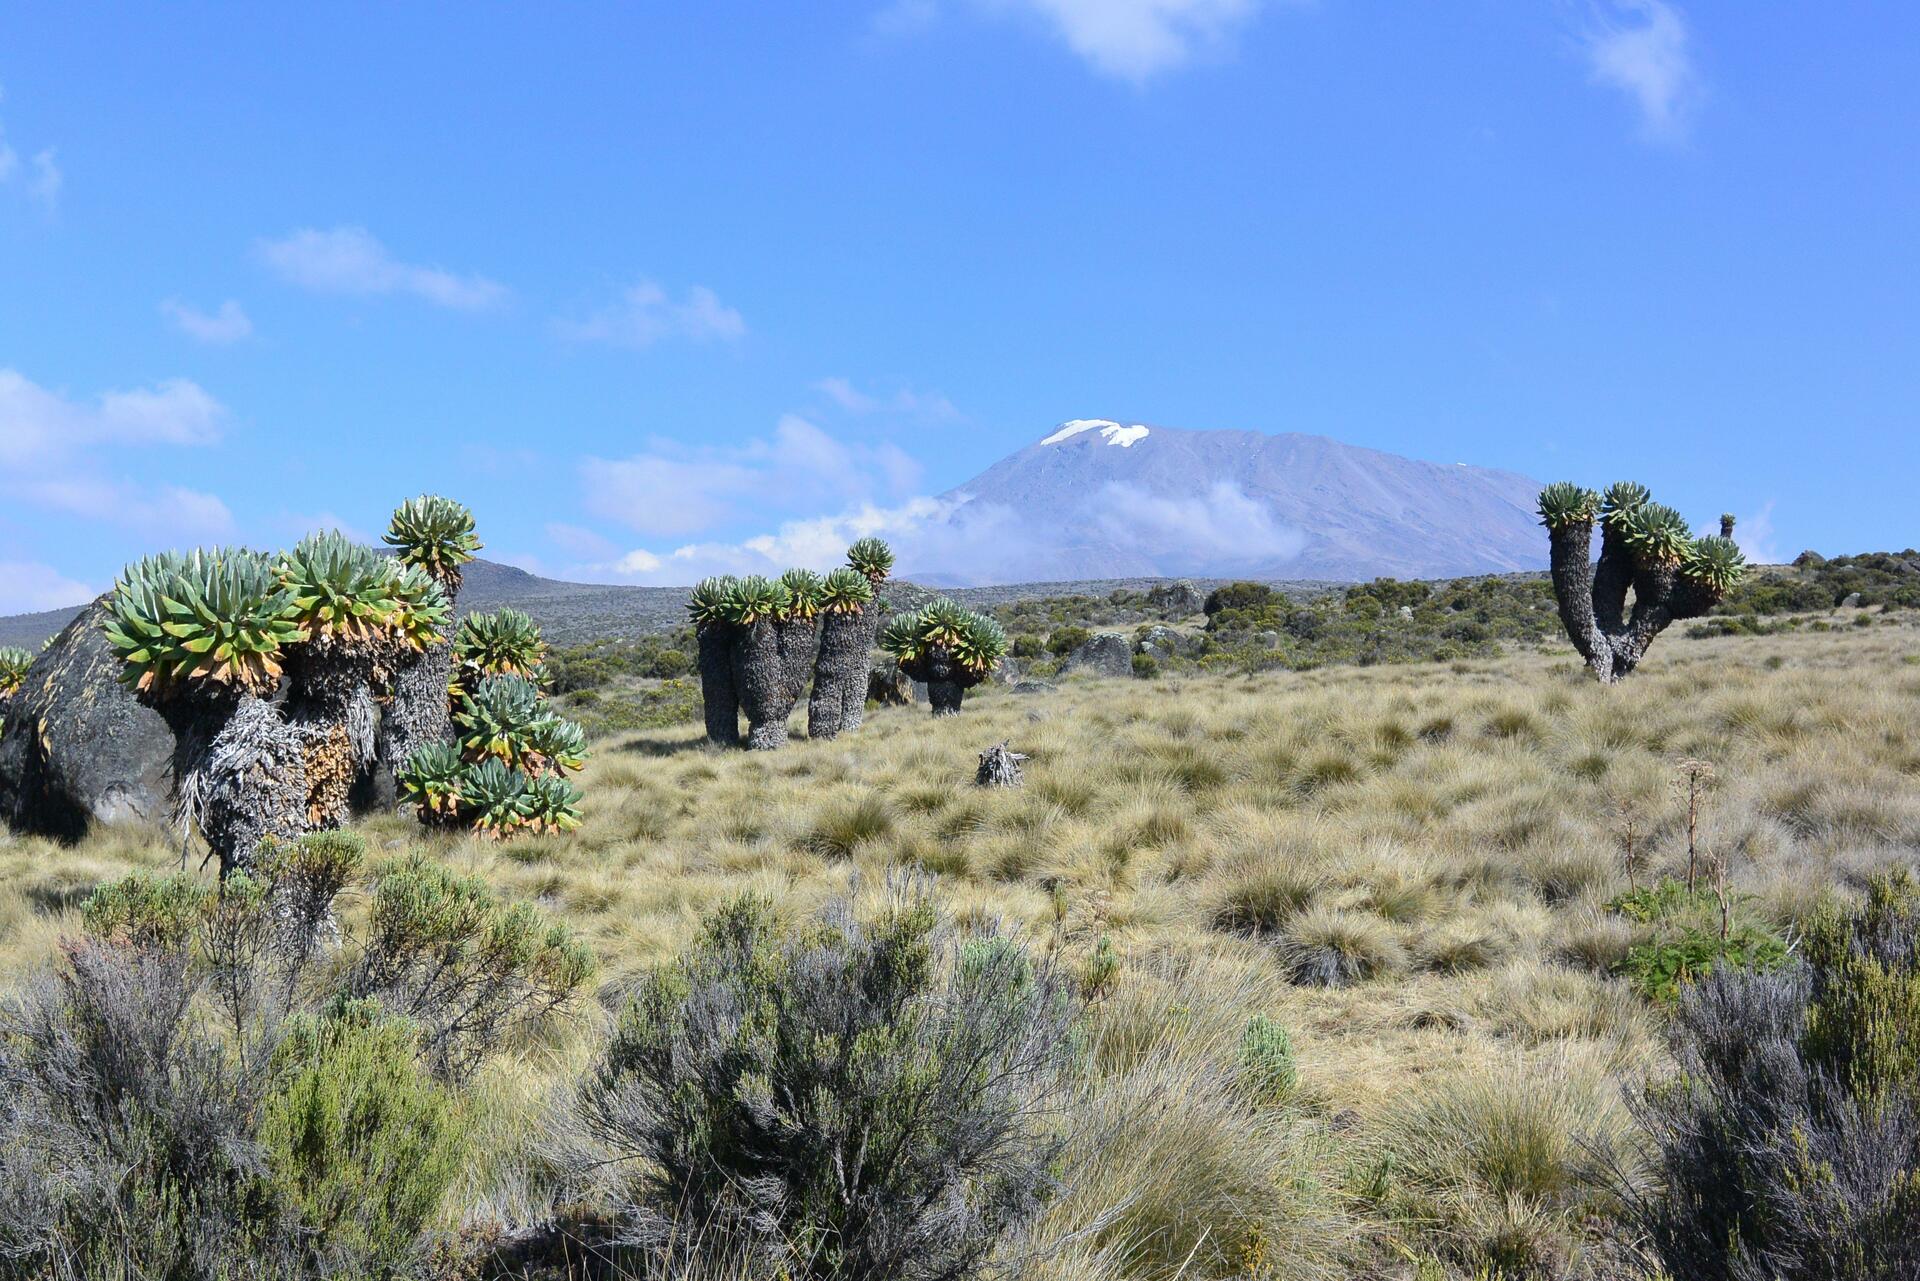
(9, 158)
(1755, 535)
(669, 491)
(47, 180)
(644, 314)
(52, 451)
(1640, 47)
(227, 324)
(1132, 40)
(843, 393)
(27, 587)
(349, 260)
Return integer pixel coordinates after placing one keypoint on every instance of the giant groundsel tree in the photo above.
(950, 648)
(1647, 549)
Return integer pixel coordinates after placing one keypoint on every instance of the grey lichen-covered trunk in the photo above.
(853, 712)
(799, 642)
(331, 703)
(252, 783)
(1593, 598)
(719, 697)
(418, 713)
(840, 675)
(946, 680)
(760, 678)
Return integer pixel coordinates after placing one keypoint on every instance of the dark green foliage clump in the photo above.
(1689, 935)
(860, 1100)
(1789, 1140)
(1266, 1059)
(221, 1081)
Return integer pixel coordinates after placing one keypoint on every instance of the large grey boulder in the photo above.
(1177, 600)
(888, 686)
(78, 747)
(1105, 654)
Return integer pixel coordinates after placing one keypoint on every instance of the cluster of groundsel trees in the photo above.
(505, 772)
(287, 678)
(1645, 547)
(760, 639)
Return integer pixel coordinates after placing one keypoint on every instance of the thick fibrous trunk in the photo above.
(718, 696)
(253, 783)
(853, 713)
(419, 711)
(798, 640)
(1593, 599)
(760, 678)
(840, 676)
(947, 682)
(332, 705)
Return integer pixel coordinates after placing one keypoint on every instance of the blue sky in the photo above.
(659, 288)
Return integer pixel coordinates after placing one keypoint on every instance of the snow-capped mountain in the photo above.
(1101, 498)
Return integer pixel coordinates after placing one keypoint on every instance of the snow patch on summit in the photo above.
(1113, 432)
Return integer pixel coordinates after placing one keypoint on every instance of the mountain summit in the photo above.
(1102, 498)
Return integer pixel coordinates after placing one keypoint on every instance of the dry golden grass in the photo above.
(1442, 840)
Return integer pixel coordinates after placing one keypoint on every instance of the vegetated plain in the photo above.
(1366, 960)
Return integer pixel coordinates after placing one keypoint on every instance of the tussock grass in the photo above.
(1407, 868)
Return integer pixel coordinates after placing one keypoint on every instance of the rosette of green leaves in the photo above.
(757, 599)
(14, 662)
(496, 717)
(872, 558)
(707, 602)
(1564, 503)
(1715, 563)
(552, 804)
(555, 743)
(493, 798)
(503, 643)
(981, 644)
(220, 617)
(434, 533)
(803, 593)
(1622, 499)
(339, 588)
(420, 607)
(430, 779)
(845, 591)
(901, 637)
(1657, 534)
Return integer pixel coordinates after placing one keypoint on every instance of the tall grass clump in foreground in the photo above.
(861, 1100)
(1790, 1141)
(211, 1083)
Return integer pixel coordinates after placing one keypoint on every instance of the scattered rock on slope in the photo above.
(1105, 654)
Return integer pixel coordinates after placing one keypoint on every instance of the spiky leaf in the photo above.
(552, 805)
(339, 588)
(707, 602)
(13, 669)
(756, 599)
(420, 607)
(555, 743)
(496, 718)
(872, 558)
(1657, 534)
(1715, 563)
(493, 798)
(503, 643)
(430, 778)
(1565, 503)
(803, 593)
(218, 617)
(434, 533)
(845, 591)
(1622, 499)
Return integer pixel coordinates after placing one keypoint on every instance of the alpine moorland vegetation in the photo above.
(1382, 971)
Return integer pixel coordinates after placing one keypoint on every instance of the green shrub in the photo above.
(1266, 1059)
(1689, 935)
(859, 1101)
(1146, 666)
(1064, 640)
(359, 1139)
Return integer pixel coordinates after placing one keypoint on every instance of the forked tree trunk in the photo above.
(1593, 598)
(799, 643)
(761, 680)
(840, 676)
(719, 698)
(853, 712)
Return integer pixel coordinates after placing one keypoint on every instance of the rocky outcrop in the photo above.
(1105, 654)
(888, 686)
(1177, 600)
(78, 747)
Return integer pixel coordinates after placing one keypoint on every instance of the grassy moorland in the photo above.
(1366, 965)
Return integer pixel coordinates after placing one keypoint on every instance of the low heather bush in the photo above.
(867, 1100)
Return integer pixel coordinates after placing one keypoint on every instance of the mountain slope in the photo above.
(1102, 499)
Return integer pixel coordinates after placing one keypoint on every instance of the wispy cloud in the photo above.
(843, 393)
(1642, 49)
(670, 491)
(644, 314)
(52, 455)
(225, 325)
(1133, 40)
(27, 587)
(349, 260)
(42, 180)
(1756, 536)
